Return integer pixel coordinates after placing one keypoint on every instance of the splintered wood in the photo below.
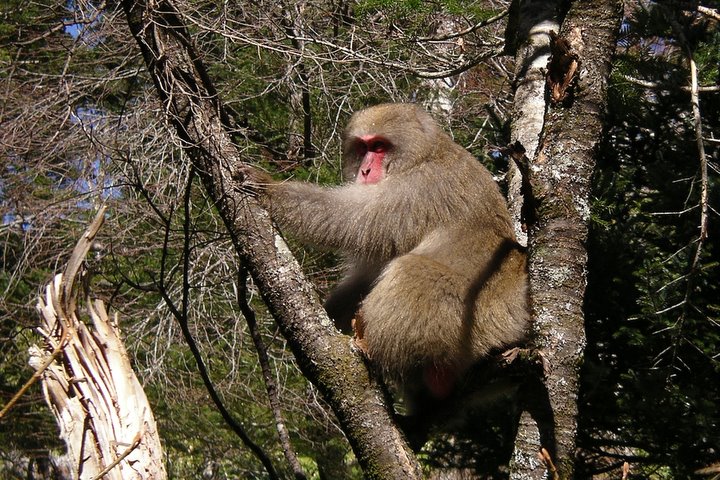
(104, 416)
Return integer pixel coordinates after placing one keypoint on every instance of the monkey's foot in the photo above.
(358, 327)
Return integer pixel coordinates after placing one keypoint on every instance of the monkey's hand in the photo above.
(252, 178)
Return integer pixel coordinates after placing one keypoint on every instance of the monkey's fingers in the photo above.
(358, 326)
(510, 355)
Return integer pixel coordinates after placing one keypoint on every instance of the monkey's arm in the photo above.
(317, 215)
(380, 221)
(367, 221)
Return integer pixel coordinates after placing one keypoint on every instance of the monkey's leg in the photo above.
(413, 322)
(435, 313)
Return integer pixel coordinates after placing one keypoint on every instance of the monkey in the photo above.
(436, 279)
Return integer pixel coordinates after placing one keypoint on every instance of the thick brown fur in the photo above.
(435, 268)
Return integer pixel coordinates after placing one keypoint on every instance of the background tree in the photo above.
(560, 173)
(651, 370)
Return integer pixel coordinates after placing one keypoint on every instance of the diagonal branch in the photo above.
(325, 356)
(181, 315)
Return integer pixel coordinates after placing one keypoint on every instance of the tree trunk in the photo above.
(104, 416)
(560, 178)
(325, 356)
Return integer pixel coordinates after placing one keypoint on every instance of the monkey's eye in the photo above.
(371, 143)
(377, 146)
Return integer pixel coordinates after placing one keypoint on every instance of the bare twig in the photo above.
(133, 445)
(270, 384)
(712, 469)
(36, 376)
(703, 202)
(710, 12)
(461, 33)
(65, 24)
(181, 315)
(658, 85)
(695, 101)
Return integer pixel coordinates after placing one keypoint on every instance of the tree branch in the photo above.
(270, 384)
(561, 175)
(324, 355)
(181, 315)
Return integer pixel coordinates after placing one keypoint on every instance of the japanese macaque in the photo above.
(436, 279)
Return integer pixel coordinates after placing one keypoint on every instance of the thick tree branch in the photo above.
(560, 177)
(561, 182)
(535, 20)
(324, 355)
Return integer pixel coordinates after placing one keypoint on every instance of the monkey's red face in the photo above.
(372, 149)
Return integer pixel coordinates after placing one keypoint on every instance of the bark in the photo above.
(104, 416)
(324, 355)
(531, 21)
(561, 174)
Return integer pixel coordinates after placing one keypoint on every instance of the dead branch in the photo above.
(89, 384)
